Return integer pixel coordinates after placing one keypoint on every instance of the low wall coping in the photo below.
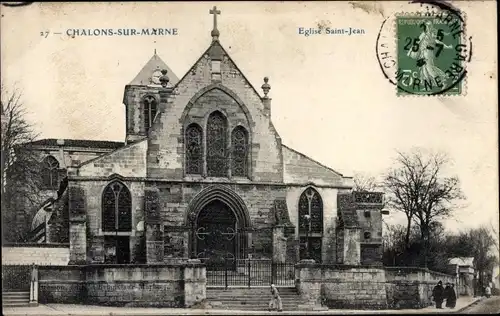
(417, 269)
(337, 266)
(35, 245)
(132, 265)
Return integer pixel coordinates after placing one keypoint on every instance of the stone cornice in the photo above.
(256, 183)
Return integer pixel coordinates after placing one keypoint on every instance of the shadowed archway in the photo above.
(221, 224)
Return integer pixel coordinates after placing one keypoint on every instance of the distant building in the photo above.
(496, 277)
(463, 267)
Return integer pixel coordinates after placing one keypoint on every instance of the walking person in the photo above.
(447, 294)
(487, 291)
(451, 298)
(437, 294)
(275, 303)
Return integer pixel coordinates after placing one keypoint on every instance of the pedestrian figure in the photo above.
(487, 291)
(451, 297)
(446, 293)
(275, 303)
(437, 294)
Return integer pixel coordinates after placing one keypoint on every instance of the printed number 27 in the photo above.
(415, 46)
(44, 34)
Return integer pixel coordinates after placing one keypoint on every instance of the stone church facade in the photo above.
(203, 174)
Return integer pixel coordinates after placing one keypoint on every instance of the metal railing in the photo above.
(249, 273)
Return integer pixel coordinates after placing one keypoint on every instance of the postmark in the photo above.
(423, 49)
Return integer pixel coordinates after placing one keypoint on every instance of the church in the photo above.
(203, 173)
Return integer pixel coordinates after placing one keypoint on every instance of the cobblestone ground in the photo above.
(486, 306)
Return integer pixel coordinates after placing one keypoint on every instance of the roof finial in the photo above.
(215, 32)
(164, 78)
(266, 87)
(155, 51)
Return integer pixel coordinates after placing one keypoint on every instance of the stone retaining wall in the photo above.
(411, 287)
(172, 285)
(365, 287)
(342, 286)
(39, 254)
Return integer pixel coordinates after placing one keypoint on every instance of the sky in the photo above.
(330, 99)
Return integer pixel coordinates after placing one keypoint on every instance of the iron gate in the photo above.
(249, 273)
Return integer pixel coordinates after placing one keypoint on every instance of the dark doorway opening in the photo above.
(217, 237)
(117, 249)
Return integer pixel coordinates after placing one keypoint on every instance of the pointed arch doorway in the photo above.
(218, 236)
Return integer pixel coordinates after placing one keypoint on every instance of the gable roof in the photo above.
(309, 159)
(86, 143)
(155, 63)
(216, 48)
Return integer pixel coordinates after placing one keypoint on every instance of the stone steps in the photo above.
(256, 299)
(15, 299)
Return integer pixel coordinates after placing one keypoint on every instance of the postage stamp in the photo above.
(424, 50)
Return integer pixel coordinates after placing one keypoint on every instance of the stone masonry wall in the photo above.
(63, 285)
(259, 201)
(128, 161)
(365, 287)
(39, 254)
(174, 200)
(342, 286)
(354, 287)
(300, 169)
(135, 108)
(409, 287)
(329, 199)
(91, 193)
(166, 141)
(180, 285)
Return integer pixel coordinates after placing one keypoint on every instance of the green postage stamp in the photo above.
(425, 52)
(427, 56)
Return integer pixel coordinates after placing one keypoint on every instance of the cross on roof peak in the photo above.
(215, 32)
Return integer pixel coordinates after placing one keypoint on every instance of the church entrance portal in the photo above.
(217, 233)
(221, 243)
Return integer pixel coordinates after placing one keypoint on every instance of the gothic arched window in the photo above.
(150, 109)
(310, 203)
(194, 149)
(311, 207)
(216, 145)
(239, 152)
(50, 173)
(116, 208)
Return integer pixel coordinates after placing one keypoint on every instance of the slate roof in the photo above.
(155, 63)
(78, 143)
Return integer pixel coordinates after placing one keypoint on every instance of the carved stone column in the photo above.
(279, 244)
(154, 227)
(77, 225)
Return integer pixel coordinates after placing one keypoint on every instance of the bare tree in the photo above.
(479, 243)
(364, 182)
(417, 187)
(19, 173)
(495, 236)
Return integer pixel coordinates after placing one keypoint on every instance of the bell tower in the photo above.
(141, 97)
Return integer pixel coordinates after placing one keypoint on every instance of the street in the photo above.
(486, 306)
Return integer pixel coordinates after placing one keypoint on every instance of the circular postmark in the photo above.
(423, 49)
